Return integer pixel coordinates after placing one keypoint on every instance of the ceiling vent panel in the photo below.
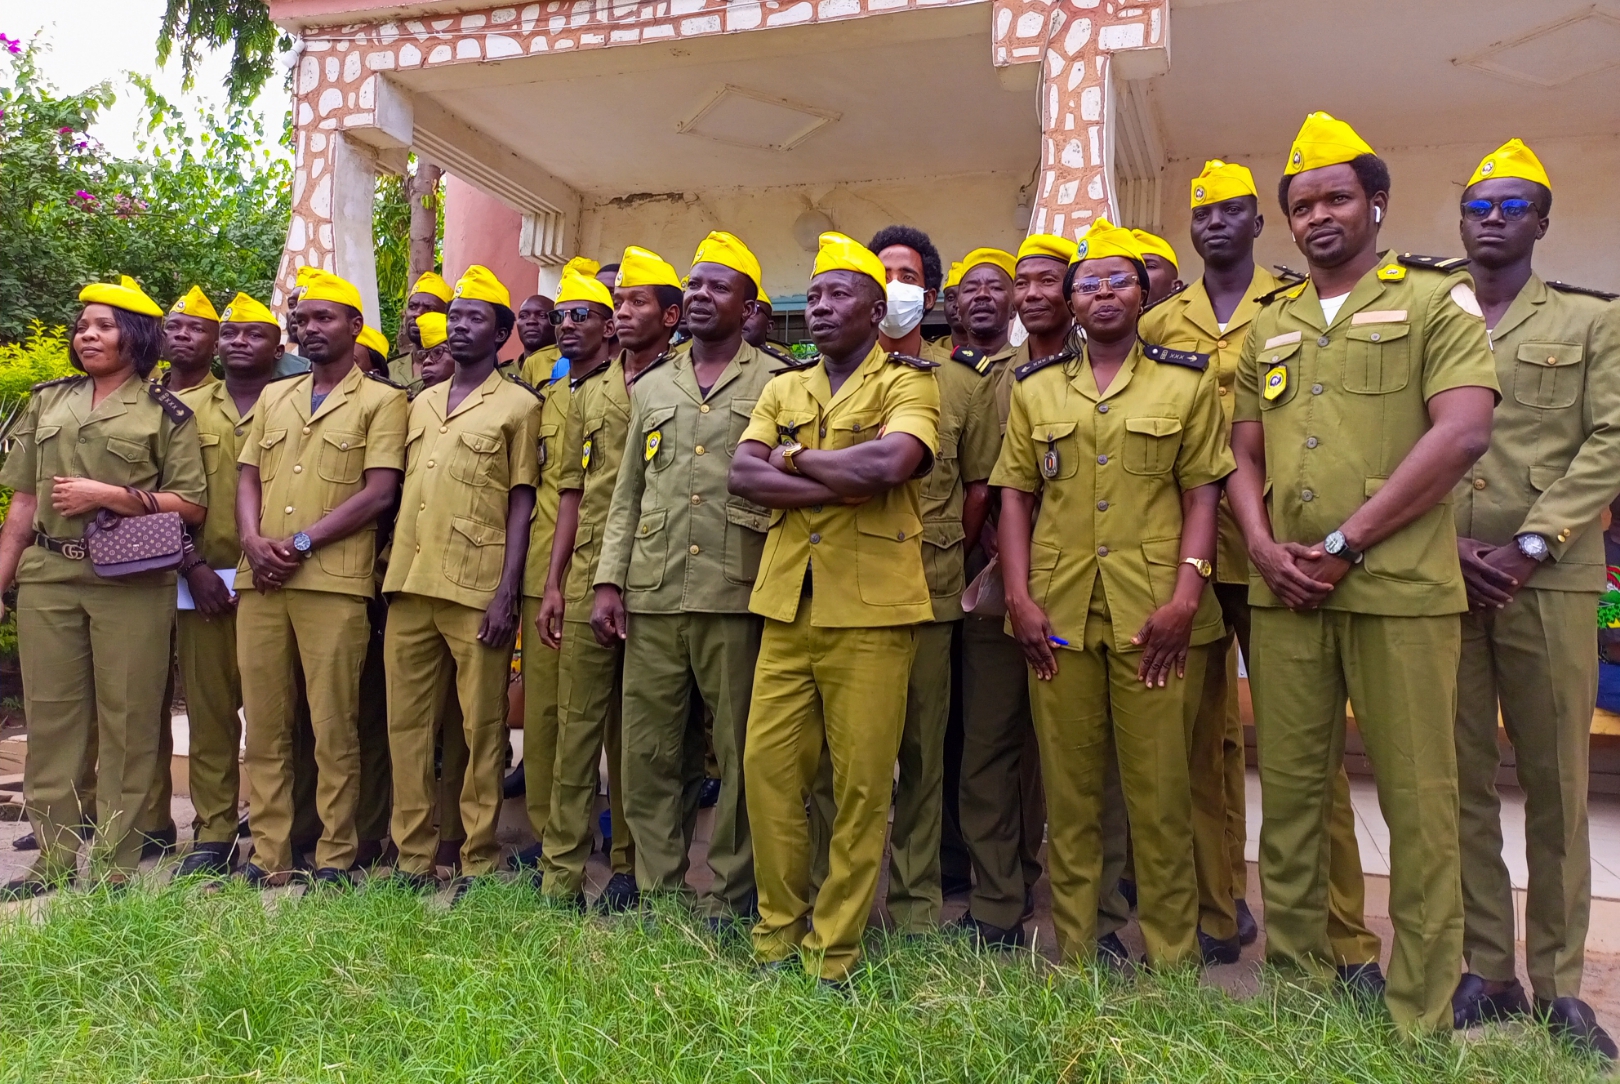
(744, 118)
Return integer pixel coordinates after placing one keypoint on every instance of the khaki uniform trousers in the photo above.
(1095, 693)
(425, 637)
(818, 688)
(590, 684)
(326, 633)
(541, 666)
(671, 655)
(375, 803)
(1538, 657)
(94, 661)
(1400, 675)
(157, 815)
(213, 697)
(450, 733)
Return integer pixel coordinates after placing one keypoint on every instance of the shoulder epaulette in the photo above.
(379, 378)
(1166, 356)
(1434, 263)
(575, 383)
(169, 401)
(1288, 274)
(973, 358)
(1271, 295)
(61, 380)
(513, 378)
(1168, 296)
(1030, 368)
(286, 376)
(911, 362)
(796, 365)
(656, 362)
(779, 355)
(1566, 288)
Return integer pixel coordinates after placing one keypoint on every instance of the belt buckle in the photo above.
(73, 549)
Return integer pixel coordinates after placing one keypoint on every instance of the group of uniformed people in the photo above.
(720, 554)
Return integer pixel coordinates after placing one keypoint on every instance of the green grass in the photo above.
(378, 986)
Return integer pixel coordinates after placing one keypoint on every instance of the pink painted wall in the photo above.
(478, 228)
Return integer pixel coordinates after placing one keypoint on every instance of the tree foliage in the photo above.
(196, 26)
(391, 224)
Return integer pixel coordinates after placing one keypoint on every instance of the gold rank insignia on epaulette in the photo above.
(1432, 263)
(1566, 288)
(1167, 356)
(381, 379)
(61, 380)
(1030, 368)
(911, 362)
(169, 401)
(973, 358)
(1289, 290)
(1168, 296)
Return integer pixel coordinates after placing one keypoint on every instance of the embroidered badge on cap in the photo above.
(1081, 249)
(1198, 193)
(1276, 381)
(585, 457)
(654, 438)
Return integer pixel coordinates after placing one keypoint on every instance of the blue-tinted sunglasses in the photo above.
(1511, 208)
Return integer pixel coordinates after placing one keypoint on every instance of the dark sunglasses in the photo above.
(1118, 281)
(1511, 208)
(579, 314)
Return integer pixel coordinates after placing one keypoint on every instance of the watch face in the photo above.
(1334, 543)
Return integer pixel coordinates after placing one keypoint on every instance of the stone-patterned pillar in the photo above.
(1078, 42)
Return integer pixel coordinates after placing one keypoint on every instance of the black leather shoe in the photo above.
(29, 842)
(1029, 906)
(1113, 957)
(527, 860)
(330, 878)
(1248, 928)
(259, 878)
(460, 887)
(620, 895)
(159, 843)
(213, 859)
(516, 784)
(708, 793)
(1128, 890)
(419, 883)
(1571, 1019)
(987, 935)
(1362, 980)
(1218, 952)
(24, 888)
(1472, 1006)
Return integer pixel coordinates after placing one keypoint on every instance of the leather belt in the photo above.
(71, 548)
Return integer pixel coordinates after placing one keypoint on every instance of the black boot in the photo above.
(213, 859)
(1571, 1019)
(1248, 928)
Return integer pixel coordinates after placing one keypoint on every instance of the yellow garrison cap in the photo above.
(584, 265)
(640, 267)
(245, 310)
(1512, 159)
(727, 251)
(194, 303)
(581, 285)
(125, 294)
(478, 283)
(431, 327)
(321, 285)
(1221, 181)
(371, 337)
(953, 277)
(995, 257)
(1324, 141)
(1049, 245)
(1105, 239)
(1151, 244)
(430, 282)
(839, 252)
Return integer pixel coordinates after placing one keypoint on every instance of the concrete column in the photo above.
(334, 187)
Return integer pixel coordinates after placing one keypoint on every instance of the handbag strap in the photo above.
(148, 501)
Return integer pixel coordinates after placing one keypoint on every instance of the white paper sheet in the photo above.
(227, 576)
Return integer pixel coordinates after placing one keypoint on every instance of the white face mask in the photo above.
(905, 309)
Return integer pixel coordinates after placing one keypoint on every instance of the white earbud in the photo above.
(1378, 214)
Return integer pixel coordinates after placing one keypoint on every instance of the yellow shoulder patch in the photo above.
(1393, 273)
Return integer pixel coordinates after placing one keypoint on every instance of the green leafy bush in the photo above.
(42, 356)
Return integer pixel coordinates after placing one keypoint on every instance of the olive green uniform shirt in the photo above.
(969, 441)
(309, 463)
(676, 539)
(547, 496)
(536, 366)
(460, 467)
(593, 448)
(865, 559)
(1110, 469)
(1347, 403)
(128, 439)
(221, 431)
(1186, 321)
(1554, 460)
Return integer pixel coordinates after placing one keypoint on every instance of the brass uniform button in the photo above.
(1552, 361)
(1479, 483)
(1223, 391)
(1221, 345)
(298, 468)
(306, 430)
(703, 408)
(700, 449)
(288, 510)
(430, 463)
(444, 429)
(694, 550)
(696, 499)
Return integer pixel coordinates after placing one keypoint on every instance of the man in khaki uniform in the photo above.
(429, 293)
(680, 555)
(1212, 316)
(455, 577)
(1530, 542)
(320, 464)
(1363, 395)
(249, 347)
(835, 446)
(591, 677)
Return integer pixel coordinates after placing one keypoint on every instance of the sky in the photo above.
(92, 40)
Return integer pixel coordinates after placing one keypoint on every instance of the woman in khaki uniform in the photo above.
(1123, 446)
(94, 649)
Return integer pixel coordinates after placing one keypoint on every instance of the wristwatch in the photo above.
(302, 543)
(789, 450)
(1533, 546)
(1205, 569)
(1335, 546)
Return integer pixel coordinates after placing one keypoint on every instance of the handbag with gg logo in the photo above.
(124, 545)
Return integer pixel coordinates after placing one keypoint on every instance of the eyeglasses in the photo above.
(1118, 281)
(1511, 208)
(579, 314)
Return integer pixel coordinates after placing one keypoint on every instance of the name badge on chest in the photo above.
(1276, 381)
(1049, 461)
(585, 457)
(654, 439)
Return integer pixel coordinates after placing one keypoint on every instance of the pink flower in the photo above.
(87, 197)
(65, 130)
(11, 45)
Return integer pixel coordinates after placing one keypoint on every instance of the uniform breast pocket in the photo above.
(746, 526)
(550, 435)
(1279, 375)
(342, 457)
(939, 483)
(856, 427)
(413, 448)
(1377, 358)
(1151, 444)
(1057, 449)
(649, 551)
(657, 435)
(271, 447)
(888, 558)
(1549, 374)
(48, 461)
(476, 460)
(742, 412)
(476, 552)
(210, 451)
(131, 458)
